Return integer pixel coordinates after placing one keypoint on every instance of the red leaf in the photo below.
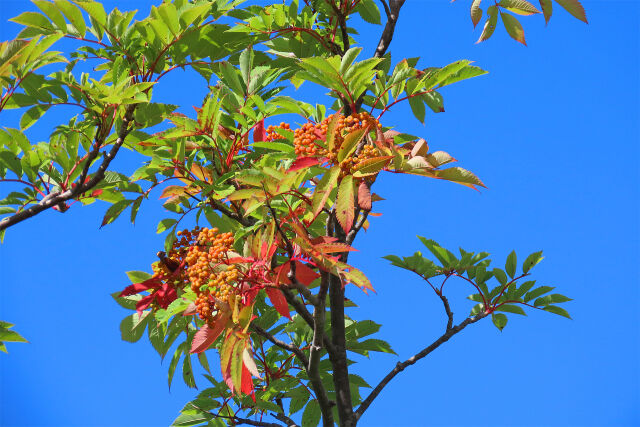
(364, 196)
(207, 335)
(259, 134)
(96, 193)
(304, 274)
(303, 162)
(190, 310)
(279, 301)
(136, 288)
(329, 248)
(144, 303)
(166, 295)
(247, 383)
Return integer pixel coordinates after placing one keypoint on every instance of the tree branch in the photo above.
(447, 309)
(282, 417)
(393, 12)
(314, 355)
(402, 366)
(56, 198)
(289, 347)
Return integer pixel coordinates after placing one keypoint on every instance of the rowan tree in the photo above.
(280, 186)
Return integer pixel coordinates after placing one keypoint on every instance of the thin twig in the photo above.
(60, 197)
(410, 361)
(289, 347)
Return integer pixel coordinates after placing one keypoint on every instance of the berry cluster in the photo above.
(308, 139)
(272, 131)
(207, 272)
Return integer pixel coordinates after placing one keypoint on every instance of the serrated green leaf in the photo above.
(499, 320)
(511, 264)
(557, 310)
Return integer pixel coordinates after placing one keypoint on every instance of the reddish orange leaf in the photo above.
(279, 301)
(207, 335)
(259, 134)
(364, 196)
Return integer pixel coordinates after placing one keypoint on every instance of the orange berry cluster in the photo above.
(350, 164)
(307, 139)
(272, 131)
(210, 277)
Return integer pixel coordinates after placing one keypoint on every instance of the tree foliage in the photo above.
(262, 283)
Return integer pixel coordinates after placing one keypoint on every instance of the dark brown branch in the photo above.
(339, 359)
(315, 352)
(60, 197)
(282, 417)
(393, 12)
(447, 309)
(402, 366)
(289, 347)
(301, 309)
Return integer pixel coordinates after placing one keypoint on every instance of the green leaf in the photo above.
(191, 417)
(73, 14)
(510, 265)
(369, 11)
(537, 292)
(499, 320)
(165, 224)
(551, 299)
(350, 143)
(521, 7)
(132, 327)
(52, 12)
(531, 261)
(371, 344)
(510, 308)
(95, 10)
(299, 398)
(476, 12)
(575, 8)
(444, 256)
(33, 19)
(524, 288)
(174, 361)
(547, 9)
(114, 211)
(557, 310)
(311, 415)
(417, 108)
(513, 27)
(348, 58)
(490, 24)
(32, 115)
(138, 276)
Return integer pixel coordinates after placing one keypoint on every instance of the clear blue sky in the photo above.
(553, 132)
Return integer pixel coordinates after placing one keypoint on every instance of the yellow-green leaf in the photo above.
(575, 8)
(513, 27)
(345, 204)
(476, 12)
(351, 142)
(490, 24)
(521, 7)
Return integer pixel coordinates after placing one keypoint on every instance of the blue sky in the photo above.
(552, 131)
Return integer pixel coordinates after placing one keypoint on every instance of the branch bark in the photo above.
(56, 198)
(410, 361)
(393, 12)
